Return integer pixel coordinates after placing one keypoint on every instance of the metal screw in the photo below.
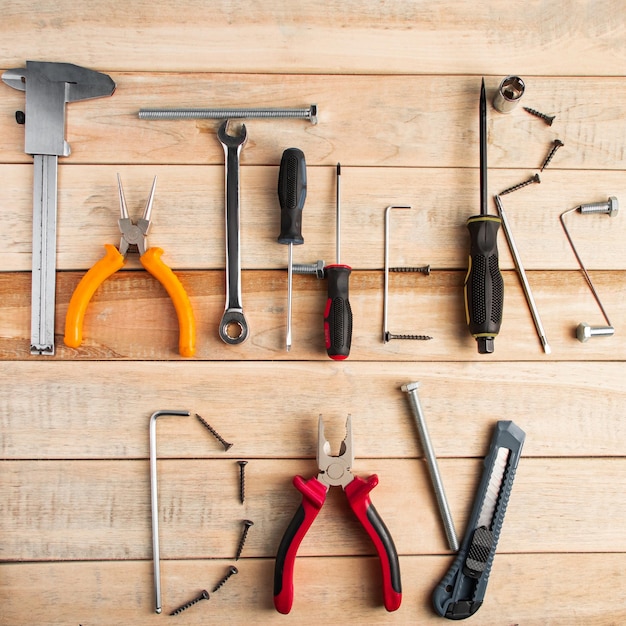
(389, 336)
(584, 332)
(231, 570)
(610, 207)
(246, 527)
(227, 446)
(203, 596)
(548, 119)
(316, 268)
(425, 269)
(557, 143)
(530, 181)
(429, 453)
(242, 480)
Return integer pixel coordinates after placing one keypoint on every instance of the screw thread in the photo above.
(389, 336)
(220, 114)
(246, 527)
(242, 480)
(227, 446)
(203, 596)
(557, 144)
(231, 570)
(595, 207)
(421, 270)
(548, 119)
(309, 268)
(530, 181)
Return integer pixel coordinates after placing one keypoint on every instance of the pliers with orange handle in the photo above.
(134, 238)
(335, 471)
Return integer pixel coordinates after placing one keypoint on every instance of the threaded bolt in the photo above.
(530, 181)
(584, 332)
(610, 207)
(548, 119)
(246, 527)
(203, 596)
(316, 268)
(242, 480)
(231, 571)
(227, 446)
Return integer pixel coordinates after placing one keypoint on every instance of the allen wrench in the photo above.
(610, 208)
(387, 336)
(156, 558)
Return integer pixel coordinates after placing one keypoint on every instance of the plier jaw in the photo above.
(335, 471)
(134, 235)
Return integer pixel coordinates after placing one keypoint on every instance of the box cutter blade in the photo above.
(461, 591)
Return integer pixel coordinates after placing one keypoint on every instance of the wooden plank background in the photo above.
(397, 85)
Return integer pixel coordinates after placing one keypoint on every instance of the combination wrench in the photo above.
(233, 327)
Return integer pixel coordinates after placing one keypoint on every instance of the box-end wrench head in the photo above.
(233, 328)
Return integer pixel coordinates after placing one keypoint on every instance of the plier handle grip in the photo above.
(134, 237)
(336, 471)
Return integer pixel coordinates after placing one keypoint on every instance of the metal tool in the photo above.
(462, 590)
(224, 113)
(610, 208)
(433, 467)
(154, 503)
(532, 305)
(556, 144)
(387, 336)
(291, 195)
(483, 287)
(233, 327)
(48, 87)
(134, 239)
(338, 313)
(336, 471)
(509, 93)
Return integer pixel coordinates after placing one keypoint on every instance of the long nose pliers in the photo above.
(134, 238)
(335, 471)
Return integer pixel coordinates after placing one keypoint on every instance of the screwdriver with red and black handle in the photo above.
(484, 287)
(338, 313)
(291, 196)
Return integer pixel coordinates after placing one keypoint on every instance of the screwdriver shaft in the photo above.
(289, 295)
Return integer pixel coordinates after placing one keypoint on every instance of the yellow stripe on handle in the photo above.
(151, 260)
(105, 267)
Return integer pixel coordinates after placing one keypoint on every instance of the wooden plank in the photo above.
(131, 317)
(404, 121)
(188, 217)
(522, 589)
(395, 37)
(105, 507)
(101, 410)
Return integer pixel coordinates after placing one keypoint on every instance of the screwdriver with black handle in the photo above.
(291, 196)
(338, 314)
(484, 287)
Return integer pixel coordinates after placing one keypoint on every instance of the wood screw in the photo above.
(227, 446)
(555, 146)
(242, 480)
(203, 596)
(530, 181)
(548, 119)
(246, 527)
(231, 570)
(424, 269)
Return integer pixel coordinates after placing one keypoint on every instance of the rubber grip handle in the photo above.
(105, 267)
(313, 497)
(151, 260)
(358, 496)
(291, 195)
(484, 287)
(338, 313)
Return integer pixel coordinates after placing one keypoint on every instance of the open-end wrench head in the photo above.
(231, 141)
(233, 327)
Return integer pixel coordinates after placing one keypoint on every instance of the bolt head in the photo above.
(583, 332)
(613, 206)
(410, 387)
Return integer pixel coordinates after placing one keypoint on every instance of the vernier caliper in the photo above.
(48, 87)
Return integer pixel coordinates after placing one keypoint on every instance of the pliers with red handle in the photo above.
(335, 471)
(134, 238)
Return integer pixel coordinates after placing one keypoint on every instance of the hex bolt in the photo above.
(435, 476)
(530, 181)
(246, 527)
(227, 446)
(316, 268)
(610, 207)
(231, 571)
(556, 144)
(584, 332)
(548, 119)
(203, 596)
(242, 480)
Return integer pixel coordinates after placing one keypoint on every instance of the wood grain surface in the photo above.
(397, 85)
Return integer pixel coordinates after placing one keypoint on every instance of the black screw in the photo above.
(203, 596)
(425, 269)
(557, 143)
(530, 181)
(242, 480)
(227, 446)
(390, 336)
(246, 527)
(548, 119)
(231, 570)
